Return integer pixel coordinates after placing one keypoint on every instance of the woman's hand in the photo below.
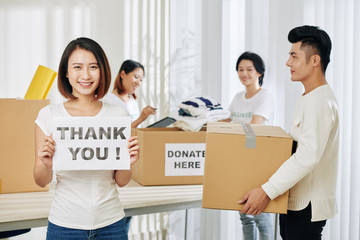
(134, 149)
(123, 177)
(225, 120)
(46, 151)
(146, 112)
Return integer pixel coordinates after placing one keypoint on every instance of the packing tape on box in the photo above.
(250, 136)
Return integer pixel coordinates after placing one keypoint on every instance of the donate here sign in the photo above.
(184, 159)
(91, 143)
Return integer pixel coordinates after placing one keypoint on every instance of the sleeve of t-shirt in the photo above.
(265, 106)
(43, 120)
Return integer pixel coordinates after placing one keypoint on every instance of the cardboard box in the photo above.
(169, 156)
(240, 158)
(17, 144)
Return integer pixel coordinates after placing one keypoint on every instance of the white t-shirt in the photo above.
(86, 199)
(243, 109)
(132, 106)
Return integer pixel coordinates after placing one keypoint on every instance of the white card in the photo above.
(91, 143)
(184, 159)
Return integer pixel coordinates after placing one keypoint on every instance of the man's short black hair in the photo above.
(313, 41)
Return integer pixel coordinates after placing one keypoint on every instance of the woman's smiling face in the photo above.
(247, 73)
(132, 80)
(83, 72)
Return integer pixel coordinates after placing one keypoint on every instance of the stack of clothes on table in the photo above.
(194, 113)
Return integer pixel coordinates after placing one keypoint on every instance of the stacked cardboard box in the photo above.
(17, 147)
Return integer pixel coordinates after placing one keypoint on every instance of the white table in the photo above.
(28, 210)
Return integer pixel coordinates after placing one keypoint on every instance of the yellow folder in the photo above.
(41, 83)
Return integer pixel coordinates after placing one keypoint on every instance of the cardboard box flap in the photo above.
(246, 129)
(165, 130)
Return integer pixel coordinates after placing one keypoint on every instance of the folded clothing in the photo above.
(194, 113)
(197, 106)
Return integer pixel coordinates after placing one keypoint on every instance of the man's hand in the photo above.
(255, 201)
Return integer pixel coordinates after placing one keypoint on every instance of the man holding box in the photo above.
(310, 173)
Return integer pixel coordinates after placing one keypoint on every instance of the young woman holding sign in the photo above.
(86, 203)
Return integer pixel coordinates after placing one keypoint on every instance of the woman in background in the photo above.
(255, 105)
(129, 78)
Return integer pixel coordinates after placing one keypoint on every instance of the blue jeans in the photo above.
(115, 231)
(127, 223)
(262, 222)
